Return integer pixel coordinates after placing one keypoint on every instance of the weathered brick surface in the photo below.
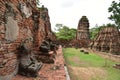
(8, 48)
(26, 30)
(107, 40)
(83, 36)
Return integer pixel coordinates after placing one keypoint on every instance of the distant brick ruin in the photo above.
(83, 29)
(20, 22)
(107, 40)
(82, 35)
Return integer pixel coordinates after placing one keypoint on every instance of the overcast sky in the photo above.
(69, 12)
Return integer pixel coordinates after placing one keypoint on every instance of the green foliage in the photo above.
(64, 32)
(91, 59)
(93, 32)
(114, 9)
(38, 2)
(58, 27)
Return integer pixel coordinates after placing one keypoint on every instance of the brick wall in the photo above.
(18, 23)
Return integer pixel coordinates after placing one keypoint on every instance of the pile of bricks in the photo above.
(107, 40)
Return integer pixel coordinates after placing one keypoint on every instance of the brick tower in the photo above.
(83, 29)
(82, 35)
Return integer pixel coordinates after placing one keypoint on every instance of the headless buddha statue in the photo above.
(28, 65)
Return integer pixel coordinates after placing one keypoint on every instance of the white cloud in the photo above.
(67, 3)
(68, 12)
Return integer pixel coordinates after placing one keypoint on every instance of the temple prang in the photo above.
(82, 34)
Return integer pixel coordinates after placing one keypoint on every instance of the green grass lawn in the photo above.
(91, 60)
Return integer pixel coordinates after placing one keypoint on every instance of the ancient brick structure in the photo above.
(20, 20)
(44, 28)
(107, 40)
(83, 29)
(82, 35)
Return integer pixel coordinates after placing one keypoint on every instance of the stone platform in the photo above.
(54, 71)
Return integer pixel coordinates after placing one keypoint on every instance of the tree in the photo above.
(94, 31)
(58, 27)
(114, 9)
(64, 32)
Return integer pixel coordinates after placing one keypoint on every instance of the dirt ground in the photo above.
(87, 73)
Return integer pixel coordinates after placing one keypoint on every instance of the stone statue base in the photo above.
(31, 71)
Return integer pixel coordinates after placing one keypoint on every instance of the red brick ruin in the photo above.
(82, 35)
(25, 32)
(107, 40)
(21, 24)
